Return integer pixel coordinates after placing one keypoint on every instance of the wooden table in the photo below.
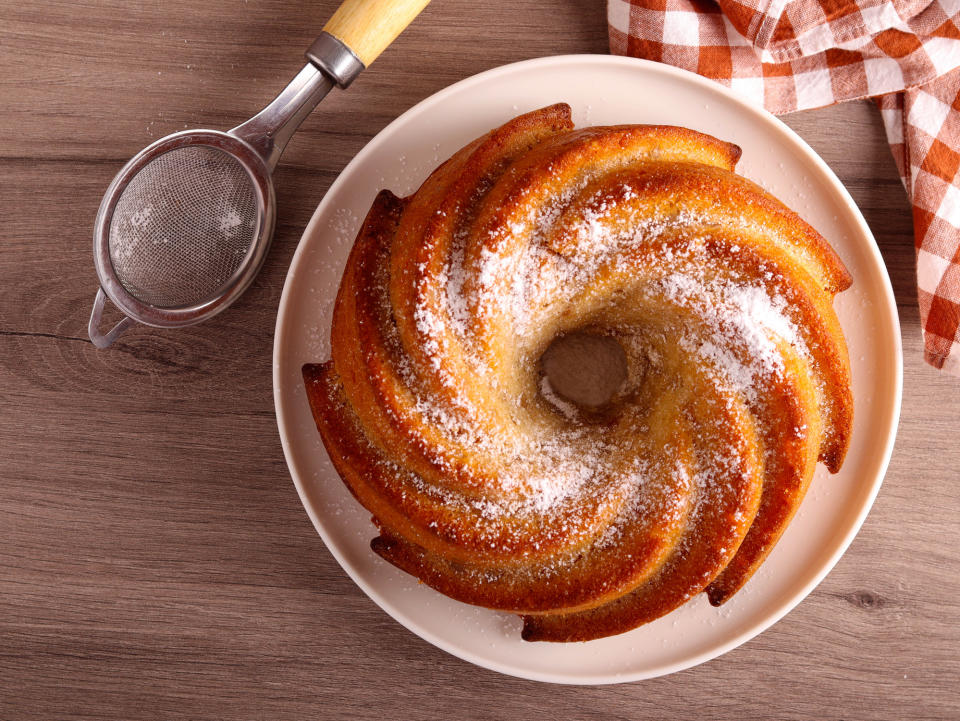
(155, 561)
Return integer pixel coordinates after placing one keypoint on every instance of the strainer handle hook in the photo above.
(102, 340)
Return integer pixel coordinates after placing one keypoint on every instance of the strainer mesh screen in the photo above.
(183, 226)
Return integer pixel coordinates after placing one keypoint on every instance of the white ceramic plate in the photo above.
(601, 90)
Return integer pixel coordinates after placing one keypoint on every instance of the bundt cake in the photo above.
(488, 485)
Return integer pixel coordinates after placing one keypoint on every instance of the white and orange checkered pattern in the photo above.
(801, 54)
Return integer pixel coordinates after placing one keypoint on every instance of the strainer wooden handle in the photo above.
(367, 27)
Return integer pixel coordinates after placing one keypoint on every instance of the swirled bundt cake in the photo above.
(492, 489)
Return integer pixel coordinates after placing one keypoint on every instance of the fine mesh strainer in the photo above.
(186, 224)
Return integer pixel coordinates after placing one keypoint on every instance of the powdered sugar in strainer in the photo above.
(186, 224)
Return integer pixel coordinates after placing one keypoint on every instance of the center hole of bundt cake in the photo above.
(583, 368)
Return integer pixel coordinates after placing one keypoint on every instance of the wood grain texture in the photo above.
(367, 27)
(155, 562)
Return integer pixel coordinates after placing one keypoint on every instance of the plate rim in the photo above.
(784, 607)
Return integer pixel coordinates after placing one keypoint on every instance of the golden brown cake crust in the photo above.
(490, 488)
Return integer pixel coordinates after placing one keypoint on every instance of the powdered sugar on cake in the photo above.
(491, 478)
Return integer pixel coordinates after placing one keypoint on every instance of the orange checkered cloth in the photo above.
(789, 55)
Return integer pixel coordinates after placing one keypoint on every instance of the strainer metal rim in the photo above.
(260, 176)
